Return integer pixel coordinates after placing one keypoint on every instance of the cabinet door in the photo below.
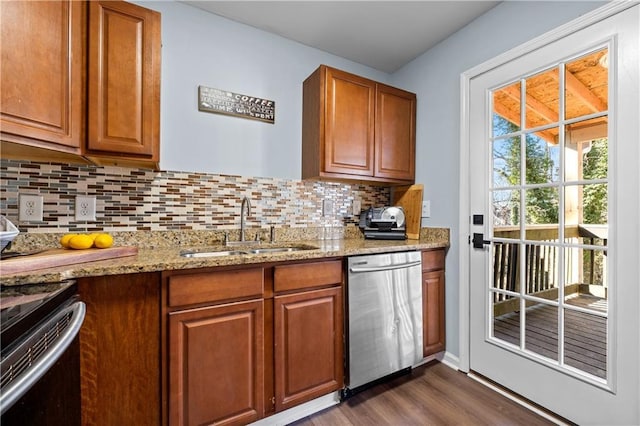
(124, 79)
(308, 345)
(216, 361)
(433, 311)
(41, 68)
(395, 141)
(349, 125)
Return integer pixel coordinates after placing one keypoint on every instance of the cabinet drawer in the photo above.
(307, 275)
(215, 286)
(432, 260)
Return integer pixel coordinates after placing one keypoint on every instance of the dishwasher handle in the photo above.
(356, 270)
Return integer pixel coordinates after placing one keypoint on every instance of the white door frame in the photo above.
(580, 23)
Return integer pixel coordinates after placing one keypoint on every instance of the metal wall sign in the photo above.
(245, 106)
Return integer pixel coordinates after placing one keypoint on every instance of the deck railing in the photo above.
(542, 259)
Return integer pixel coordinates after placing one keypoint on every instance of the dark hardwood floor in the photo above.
(433, 394)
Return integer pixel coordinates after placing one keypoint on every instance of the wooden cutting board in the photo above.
(410, 199)
(62, 257)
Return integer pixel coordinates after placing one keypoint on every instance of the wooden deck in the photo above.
(585, 334)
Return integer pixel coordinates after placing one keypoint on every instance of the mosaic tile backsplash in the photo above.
(145, 200)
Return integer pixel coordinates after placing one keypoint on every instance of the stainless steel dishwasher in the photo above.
(384, 316)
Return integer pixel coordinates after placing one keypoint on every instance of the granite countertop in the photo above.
(166, 258)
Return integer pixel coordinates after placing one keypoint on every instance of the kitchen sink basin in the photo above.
(262, 250)
(212, 253)
(275, 250)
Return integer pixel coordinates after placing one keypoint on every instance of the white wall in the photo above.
(200, 48)
(435, 78)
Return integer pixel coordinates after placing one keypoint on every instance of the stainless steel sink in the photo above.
(275, 250)
(263, 250)
(212, 253)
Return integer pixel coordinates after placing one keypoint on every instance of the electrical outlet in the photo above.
(30, 208)
(357, 207)
(327, 207)
(85, 208)
(426, 208)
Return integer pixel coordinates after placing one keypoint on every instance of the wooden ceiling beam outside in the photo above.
(533, 104)
(514, 117)
(580, 91)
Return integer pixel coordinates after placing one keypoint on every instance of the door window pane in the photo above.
(506, 318)
(586, 214)
(506, 110)
(586, 279)
(586, 84)
(506, 214)
(506, 162)
(542, 263)
(506, 267)
(585, 342)
(542, 160)
(541, 208)
(541, 330)
(542, 91)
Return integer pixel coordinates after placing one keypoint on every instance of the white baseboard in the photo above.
(300, 411)
(450, 360)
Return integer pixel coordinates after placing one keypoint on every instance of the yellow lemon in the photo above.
(94, 236)
(80, 242)
(103, 241)
(64, 240)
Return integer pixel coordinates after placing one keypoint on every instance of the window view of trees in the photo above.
(542, 166)
(595, 196)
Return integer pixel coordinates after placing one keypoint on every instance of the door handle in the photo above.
(479, 241)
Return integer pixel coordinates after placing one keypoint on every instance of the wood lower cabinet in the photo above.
(215, 346)
(243, 343)
(216, 364)
(80, 82)
(120, 350)
(308, 351)
(357, 129)
(433, 301)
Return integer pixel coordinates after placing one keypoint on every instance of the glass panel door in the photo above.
(549, 207)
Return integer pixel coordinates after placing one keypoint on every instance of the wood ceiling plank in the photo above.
(582, 92)
(514, 117)
(533, 104)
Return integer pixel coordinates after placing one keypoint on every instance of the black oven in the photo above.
(40, 364)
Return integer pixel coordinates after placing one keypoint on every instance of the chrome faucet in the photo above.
(245, 203)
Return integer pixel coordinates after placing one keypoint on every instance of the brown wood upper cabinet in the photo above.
(354, 128)
(81, 81)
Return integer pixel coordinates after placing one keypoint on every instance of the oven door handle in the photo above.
(384, 268)
(20, 385)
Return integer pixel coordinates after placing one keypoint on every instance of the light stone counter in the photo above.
(162, 252)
